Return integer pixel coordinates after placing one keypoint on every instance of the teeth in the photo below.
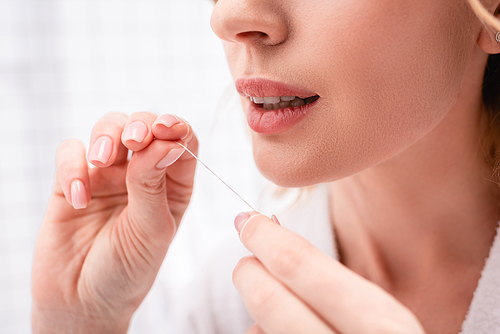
(280, 102)
(298, 103)
(272, 99)
(285, 104)
(268, 106)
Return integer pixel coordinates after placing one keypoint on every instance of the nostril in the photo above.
(248, 34)
(251, 34)
(257, 37)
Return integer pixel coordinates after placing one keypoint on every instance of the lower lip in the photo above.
(275, 121)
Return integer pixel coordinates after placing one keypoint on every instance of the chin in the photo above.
(292, 173)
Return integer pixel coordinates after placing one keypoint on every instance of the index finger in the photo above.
(344, 299)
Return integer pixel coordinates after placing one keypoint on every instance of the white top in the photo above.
(212, 304)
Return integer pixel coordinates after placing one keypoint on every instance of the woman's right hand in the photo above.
(107, 229)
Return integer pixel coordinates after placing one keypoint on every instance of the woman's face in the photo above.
(386, 72)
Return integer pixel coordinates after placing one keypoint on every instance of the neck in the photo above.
(431, 207)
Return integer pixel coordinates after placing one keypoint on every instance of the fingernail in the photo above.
(187, 134)
(275, 219)
(170, 158)
(136, 131)
(78, 195)
(240, 220)
(101, 151)
(167, 120)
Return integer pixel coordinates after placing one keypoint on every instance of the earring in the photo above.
(497, 37)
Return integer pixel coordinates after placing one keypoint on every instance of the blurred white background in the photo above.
(63, 65)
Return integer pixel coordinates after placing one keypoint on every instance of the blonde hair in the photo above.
(491, 93)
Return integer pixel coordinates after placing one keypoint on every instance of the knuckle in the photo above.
(258, 295)
(289, 261)
(154, 187)
(70, 166)
(111, 121)
(262, 298)
(68, 155)
(149, 185)
(116, 115)
(69, 143)
(241, 266)
(144, 115)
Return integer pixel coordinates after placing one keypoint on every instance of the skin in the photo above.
(398, 124)
(92, 267)
(396, 127)
(291, 287)
(382, 86)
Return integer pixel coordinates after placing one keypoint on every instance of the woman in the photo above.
(380, 100)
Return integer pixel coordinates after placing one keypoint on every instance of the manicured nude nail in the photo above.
(78, 195)
(136, 131)
(170, 158)
(101, 151)
(167, 120)
(275, 219)
(240, 220)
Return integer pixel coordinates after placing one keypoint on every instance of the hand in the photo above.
(289, 286)
(93, 266)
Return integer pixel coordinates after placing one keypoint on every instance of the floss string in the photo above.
(217, 176)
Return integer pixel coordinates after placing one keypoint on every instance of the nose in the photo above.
(249, 22)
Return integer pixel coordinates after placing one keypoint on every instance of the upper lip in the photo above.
(261, 87)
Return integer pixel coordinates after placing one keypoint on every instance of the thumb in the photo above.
(148, 211)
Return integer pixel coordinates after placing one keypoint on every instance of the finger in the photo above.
(344, 299)
(149, 189)
(180, 179)
(172, 127)
(255, 329)
(270, 304)
(105, 146)
(110, 181)
(137, 133)
(72, 174)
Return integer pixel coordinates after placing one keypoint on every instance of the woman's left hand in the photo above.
(289, 286)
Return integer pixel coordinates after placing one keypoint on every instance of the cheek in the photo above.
(382, 88)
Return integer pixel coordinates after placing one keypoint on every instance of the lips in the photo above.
(259, 87)
(274, 106)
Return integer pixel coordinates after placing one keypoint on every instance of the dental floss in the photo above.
(217, 176)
